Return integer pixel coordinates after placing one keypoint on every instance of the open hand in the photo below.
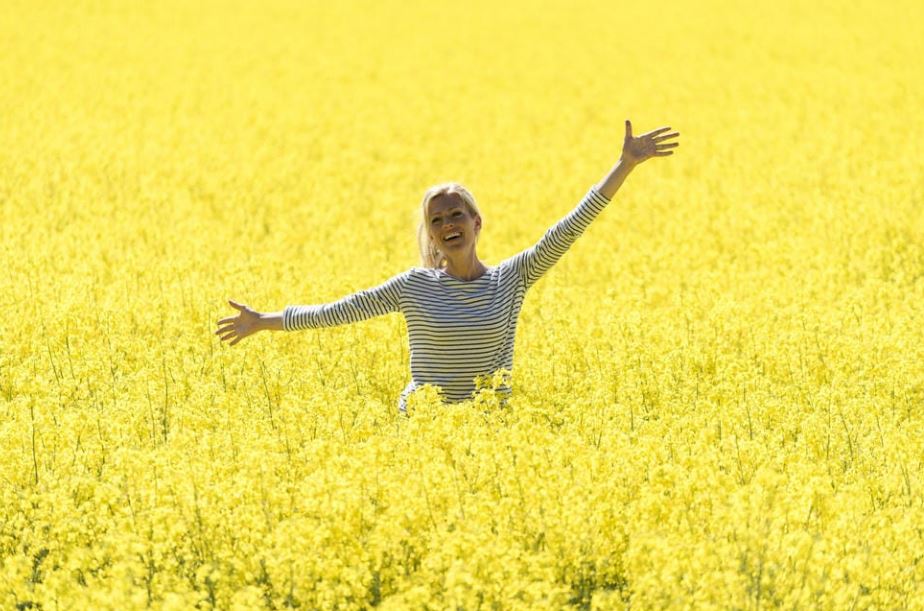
(637, 149)
(238, 327)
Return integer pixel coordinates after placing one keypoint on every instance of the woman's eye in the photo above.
(434, 221)
(456, 213)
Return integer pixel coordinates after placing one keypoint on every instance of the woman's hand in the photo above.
(237, 328)
(638, 149)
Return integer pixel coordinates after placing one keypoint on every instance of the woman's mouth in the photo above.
(456, 236)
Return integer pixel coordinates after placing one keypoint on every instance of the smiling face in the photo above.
(451, 226)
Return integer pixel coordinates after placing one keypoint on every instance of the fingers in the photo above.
(226, 327)
(665, 137)
(234, 337)
(667, 146)
(628, 129)
(654, 132)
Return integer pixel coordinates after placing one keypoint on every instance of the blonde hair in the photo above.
(430, 254)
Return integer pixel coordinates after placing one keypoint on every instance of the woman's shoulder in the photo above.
(422, 272)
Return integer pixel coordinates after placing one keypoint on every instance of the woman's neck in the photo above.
(467, 269)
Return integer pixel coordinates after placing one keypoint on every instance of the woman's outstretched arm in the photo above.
(359, 306)
(245, 324)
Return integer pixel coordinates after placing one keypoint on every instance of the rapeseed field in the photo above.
(718, 390)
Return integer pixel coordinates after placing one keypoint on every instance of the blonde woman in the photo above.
(461, 313)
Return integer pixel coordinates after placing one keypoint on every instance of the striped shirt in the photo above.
(457, 329)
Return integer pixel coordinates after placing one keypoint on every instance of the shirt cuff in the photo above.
(593, 190)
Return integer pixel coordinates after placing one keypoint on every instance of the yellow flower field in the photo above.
(718, 391)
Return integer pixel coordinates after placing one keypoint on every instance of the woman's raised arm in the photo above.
(535, 261)
(532, 263)
(635, 150)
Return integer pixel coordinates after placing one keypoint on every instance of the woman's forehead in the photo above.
(445, 201)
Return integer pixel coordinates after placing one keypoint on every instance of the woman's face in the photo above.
(447, 217)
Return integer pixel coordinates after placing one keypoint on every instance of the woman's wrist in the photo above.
(611, 183)
(271, 321)
(629, 165)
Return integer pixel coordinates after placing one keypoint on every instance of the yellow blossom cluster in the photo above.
(717, 392)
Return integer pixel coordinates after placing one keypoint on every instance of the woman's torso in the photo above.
(460, 329)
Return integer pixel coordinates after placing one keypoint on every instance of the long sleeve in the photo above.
(361, 305)
(535, 261)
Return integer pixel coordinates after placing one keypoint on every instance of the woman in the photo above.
(461, 314)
